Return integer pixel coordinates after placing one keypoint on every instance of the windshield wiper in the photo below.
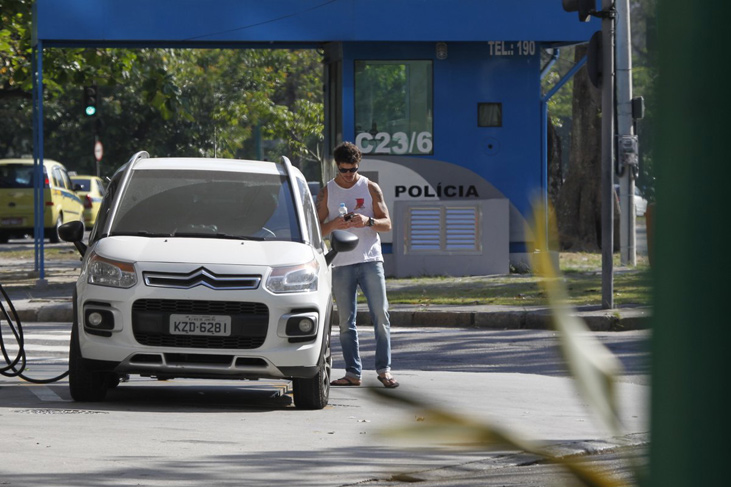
(141, 233)
(215, 235)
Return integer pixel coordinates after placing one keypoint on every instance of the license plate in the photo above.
(200, 325)
(12, 221)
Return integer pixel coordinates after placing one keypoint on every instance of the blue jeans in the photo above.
(372, 281)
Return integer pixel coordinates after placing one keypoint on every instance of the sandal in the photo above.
(388, 382)
(346, 381)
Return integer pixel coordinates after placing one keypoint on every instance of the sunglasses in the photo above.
(344, 170)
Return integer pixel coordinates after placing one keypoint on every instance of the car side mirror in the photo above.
(73, 232)
(340, 241)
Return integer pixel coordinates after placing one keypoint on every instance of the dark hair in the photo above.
(347, 153)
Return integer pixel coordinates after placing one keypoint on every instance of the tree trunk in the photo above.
(578, 210)
(555, 171)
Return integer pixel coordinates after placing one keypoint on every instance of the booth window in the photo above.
(489, 114)
(393, 107)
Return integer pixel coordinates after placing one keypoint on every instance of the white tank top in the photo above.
(358, 200)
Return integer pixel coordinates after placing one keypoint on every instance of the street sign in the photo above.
(98, 150)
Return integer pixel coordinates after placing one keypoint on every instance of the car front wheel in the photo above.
(314, 393)
(86, 384)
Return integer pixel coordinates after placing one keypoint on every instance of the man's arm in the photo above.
(326, 227)
(322, 211)
(381, 218)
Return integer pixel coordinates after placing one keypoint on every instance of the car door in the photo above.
(64, 197)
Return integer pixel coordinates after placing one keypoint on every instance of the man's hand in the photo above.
(359, 220)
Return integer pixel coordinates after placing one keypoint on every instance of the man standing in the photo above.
(363, 266)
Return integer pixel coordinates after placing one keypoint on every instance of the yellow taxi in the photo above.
(61, 203)
(91, 191)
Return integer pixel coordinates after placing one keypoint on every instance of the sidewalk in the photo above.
(51, 301)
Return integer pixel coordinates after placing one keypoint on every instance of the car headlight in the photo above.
(294, 279)
(108, 272)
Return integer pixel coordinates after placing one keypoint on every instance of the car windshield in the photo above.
(208, 204)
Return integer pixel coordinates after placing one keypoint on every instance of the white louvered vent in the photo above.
(443, 229)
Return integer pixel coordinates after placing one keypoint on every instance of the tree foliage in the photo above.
(243, 103)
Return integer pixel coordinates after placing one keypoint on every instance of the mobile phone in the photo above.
(348, 217)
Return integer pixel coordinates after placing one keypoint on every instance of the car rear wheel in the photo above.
(314, 393)
(86, 384)
(52, 233)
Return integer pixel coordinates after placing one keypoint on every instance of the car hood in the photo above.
(204, 251)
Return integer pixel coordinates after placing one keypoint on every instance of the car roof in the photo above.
(208, 164)
(28, 160)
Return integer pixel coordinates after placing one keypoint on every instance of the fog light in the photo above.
(98, 319)
(306, 325)
(301, 324)
(95, 318)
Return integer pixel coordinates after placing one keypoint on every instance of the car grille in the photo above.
(201, 277)
(151, 323)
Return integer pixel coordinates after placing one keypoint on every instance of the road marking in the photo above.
(44, 393)
(29, 347)
(45, 336)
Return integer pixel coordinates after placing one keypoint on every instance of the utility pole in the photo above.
(627, 146)
(607, 16)
(600, 66)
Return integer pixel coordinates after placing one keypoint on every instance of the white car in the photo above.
(204, 268)
(639, 201)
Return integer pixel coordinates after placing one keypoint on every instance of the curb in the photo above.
(51, 313)
(502, 318)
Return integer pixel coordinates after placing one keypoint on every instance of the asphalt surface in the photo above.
(503, 391)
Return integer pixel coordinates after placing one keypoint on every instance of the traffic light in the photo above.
(90, 100)
(583, 7)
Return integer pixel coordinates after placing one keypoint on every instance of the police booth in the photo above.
(443, 98)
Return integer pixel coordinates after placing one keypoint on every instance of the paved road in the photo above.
(193, 432)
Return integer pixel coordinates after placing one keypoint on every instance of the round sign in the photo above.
(98, 150)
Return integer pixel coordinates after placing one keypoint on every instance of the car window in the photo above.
(65, 181)
(56, 177)
(16, 176)
(308, 207)
(85, 184)
(104, 209)
(207, 204)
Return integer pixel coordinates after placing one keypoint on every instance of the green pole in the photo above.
(691, 345)
(257, 141)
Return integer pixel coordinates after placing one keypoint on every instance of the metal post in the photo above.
(627, 149)
(38, 186)
(607, 156)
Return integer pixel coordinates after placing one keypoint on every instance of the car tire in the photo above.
(85, 384)
(52, 233)
(314, 393)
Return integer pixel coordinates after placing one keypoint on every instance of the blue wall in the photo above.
(470, 75)
(506, 160)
